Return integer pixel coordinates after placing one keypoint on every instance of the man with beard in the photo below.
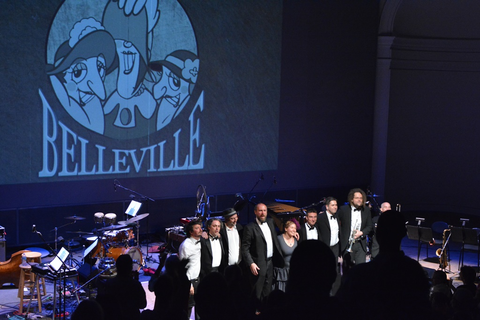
(355, 221)
(260, 251)
(213, 255)
(231, 236)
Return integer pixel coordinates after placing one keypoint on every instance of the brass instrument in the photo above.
(351, 240)
(442, 252)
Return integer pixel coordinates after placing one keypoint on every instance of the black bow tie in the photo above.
(333, 217)
(357, 209)
(310, 227)
(213, 238)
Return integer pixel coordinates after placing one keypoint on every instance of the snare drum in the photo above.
(117, 237)
(98, 217)
(110, 218)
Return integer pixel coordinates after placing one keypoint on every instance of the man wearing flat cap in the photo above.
(231, 236)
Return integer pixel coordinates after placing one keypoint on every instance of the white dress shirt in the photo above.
(191, 249)
(216, 252)
(233, 238)
(356, 222)
(268, 237)
(312, 234)
(333, 229)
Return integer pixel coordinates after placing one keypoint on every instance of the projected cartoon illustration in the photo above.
(124, 70)
(79, 72)
(132, 53)
(178, 75)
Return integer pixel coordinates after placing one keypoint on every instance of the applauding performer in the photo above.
(355, 221)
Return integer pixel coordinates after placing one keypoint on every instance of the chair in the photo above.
(29, 281)
(36, 257)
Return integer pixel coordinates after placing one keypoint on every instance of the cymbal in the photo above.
(74, 218)
(112, 227)
(134, 219)
(80, 232)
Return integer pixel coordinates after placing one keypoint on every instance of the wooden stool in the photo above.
(36, 257)
(28, 280)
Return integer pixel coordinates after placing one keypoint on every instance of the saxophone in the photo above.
(442, 252)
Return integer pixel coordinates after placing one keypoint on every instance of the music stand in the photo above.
(421, 234)
(465, 236)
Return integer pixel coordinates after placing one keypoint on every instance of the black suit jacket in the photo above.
(254, 247)
(207, 256)
(344, 216)
(324, 226)
(303, 232)
(224, 237)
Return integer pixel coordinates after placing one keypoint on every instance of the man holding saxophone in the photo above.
(355, 221)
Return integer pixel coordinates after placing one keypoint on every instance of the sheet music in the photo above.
(133, 208)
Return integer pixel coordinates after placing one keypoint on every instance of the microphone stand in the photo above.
(56, 229)
(250, 197)
(141, 197)
(274, 181)
(64, 266)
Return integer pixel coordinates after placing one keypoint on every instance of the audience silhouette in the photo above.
(122, 296)
(88, 309)
(393, 285)
(213, 300)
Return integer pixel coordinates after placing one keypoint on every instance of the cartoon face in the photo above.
(128, 67)
(171, 88)
(84, 79)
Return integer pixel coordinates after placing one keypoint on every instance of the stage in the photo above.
(10, 302)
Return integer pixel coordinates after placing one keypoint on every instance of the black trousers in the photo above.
(262, 284)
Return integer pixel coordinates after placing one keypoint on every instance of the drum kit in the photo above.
(112, 239)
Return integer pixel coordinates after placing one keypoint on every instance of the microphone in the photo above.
(34, 229)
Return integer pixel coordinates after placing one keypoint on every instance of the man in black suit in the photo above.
(328, 226)
(310, 230)
(355, 221)
(330, 234)
(260, 251)
(212, 253)
(231, 236)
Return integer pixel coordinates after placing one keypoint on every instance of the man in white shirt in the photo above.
(260, 251)
(231, 236)
(213, 256)
(310, 230)
(190, 249)
(355, 224)
(330, 233)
